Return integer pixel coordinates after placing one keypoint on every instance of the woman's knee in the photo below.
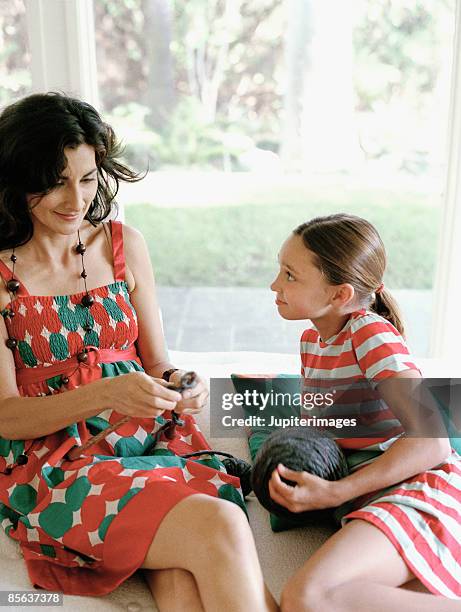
(174, 589)
(228, 522)
(307, 595)
(196, 531)
(171, 578)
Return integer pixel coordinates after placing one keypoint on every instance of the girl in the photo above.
(81, 349)
(407, 538)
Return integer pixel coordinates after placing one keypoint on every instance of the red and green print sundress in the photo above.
(84, 526)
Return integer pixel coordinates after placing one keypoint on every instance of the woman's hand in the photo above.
(193, 400)
(139, 395)
(310, 492)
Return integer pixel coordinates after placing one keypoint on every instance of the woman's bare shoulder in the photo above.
(131, 234)
(137, 256)
(134, 243)
(135, 249)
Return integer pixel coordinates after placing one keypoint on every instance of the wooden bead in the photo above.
(87, 300)
(80, 248)
(13, 285)
(82, 357)
(11, 343)
(13, 258)
(64, 380)
(22, 459)
(83, 274)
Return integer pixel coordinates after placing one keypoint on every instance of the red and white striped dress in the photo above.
(421, 516)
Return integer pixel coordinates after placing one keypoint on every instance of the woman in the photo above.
(82, 348)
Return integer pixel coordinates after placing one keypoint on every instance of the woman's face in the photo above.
(63, 209)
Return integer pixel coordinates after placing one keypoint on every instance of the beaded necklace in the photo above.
(187, 381)
(87, 301)
(233, 465)
(13, 286)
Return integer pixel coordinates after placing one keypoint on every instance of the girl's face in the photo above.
(302, 292)
(63, 209)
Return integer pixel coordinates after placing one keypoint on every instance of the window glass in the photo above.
(15, 75)
(254, 116)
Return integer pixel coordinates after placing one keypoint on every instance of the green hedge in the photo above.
(238, 245)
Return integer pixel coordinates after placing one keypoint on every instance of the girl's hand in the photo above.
(310, 492)
(194, 399)
(139, 395)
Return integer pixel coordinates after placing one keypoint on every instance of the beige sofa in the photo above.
(280, 553)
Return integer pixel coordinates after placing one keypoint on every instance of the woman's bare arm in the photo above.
(135, 394)
(424, 446)
(151, 342)
(23, 418)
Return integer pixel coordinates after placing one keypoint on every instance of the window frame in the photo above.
(445, 327)
(62, 43)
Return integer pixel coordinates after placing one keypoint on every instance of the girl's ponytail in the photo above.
(386, 306)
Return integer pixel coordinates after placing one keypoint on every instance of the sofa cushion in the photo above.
(280, 554)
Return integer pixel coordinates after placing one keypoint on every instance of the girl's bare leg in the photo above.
(358, 569)
(211, 539)
(174, 590)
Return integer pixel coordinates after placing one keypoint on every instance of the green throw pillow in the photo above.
(441, 394)
(281, 407)
(285, 384)
(290, 384)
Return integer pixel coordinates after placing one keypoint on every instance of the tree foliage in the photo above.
(398, 45)
(403, 58)
(228, 69)
(15, 79)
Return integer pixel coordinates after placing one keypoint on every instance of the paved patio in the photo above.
(246, 319)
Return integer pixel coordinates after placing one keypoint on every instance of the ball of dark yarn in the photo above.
(300, 449)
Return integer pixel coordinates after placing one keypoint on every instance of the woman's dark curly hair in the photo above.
(34, 132)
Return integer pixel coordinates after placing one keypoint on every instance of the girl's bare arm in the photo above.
(422, 449)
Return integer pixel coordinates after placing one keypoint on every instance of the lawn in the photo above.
(237, 245)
